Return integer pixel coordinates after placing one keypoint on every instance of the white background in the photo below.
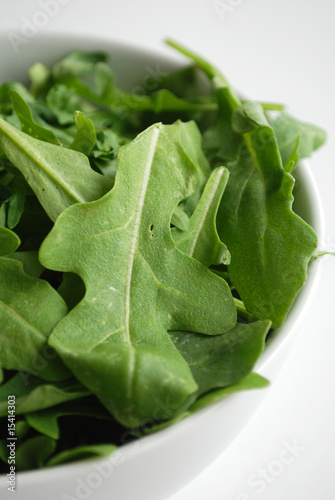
(280, 51)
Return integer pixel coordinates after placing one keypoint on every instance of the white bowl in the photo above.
(156, 466)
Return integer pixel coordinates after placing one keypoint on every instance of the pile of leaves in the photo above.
(148, 247)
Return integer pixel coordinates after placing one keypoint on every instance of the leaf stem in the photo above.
(219, 81)
(242, 311)
(272, 106)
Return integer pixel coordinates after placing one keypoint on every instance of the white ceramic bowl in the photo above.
(158, 465)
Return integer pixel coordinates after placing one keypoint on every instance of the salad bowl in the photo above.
(156, 466)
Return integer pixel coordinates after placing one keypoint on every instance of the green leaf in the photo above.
(46, 421)
(63, 102)
(270, 245)
(183, 82)
(77, 63)
(6, 106)
(151, 330)
(251, 381)
(62, 97)
(119, 330)
(164, 100)
(220, 142)
(222, 360)
(33, 226)
(34, 394)
(221, 134)
(85, 137)
(28, 125)
(58, 176)
(200, 240)
(72, 289)
(189, 137)
(104, 153)
(34, 452)
(29, 310)
(179, 219)
(9, 241)
(288, 130)
(82, 453)
(293, 159)
(21, 431)
(30, 262)
(15, 207)
(12, 195)
(103, 79)
(40, 77)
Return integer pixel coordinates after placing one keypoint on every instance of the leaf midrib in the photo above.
(29, 151)
(136, 230)
(205, 212)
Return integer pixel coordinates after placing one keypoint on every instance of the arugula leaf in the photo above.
(72, 289)
(33, 226)
(270, 245)
(85, 138)
(179, 219)
(34, 394)
(289, 130)
(34, 452)
(183, 82)
(104, 153)
(30, 262)
(63, 102)
(189, 138)
(77, 63)
(13, 191)
(82, 453)
(251, 381)
(21, 431)
(9, 241)
(28, 125)
(29, 310)
(132, 299)
(13, 208)
(292, 160)
(73, 87)
(58, 176)
(148, 325)
(46, 421)
(200, 239)
(164, 100)
(40, 77)
(222, 360)
(6, 106)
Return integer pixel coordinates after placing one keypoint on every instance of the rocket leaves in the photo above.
(29, 310)
(270, 245)
(144, 288)
(148, 243)
(222, 360)
(52, 169)
(9, 241)
(200, 239)
(289, 130)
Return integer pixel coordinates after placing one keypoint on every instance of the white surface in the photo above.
(280, 51)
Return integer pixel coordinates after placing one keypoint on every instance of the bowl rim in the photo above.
(287, 331)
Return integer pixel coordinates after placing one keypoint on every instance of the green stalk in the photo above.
(219, 81)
